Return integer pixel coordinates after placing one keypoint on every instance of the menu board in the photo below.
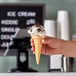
(17, 16)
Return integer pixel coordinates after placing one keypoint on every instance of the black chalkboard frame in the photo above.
(22, 4)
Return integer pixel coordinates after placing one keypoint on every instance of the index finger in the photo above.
(32, 44)
(31, 40)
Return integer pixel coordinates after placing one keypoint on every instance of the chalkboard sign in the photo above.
(17, 16)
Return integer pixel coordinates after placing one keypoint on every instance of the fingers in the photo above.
(33, 46)
(43, 50)
(46, 50)
(33, 50)
(45, 40)
(31, 40)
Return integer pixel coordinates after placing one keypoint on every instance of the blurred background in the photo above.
(52, 7)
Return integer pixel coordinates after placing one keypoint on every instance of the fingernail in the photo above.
(42, 41)
(33, 52)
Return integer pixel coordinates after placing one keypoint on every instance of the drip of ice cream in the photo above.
(37, 30)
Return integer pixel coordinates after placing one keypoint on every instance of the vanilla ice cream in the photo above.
(37, 30)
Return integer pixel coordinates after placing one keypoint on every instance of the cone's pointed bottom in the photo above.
(38, 45)
(37, 62)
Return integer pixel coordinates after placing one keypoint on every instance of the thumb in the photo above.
(45, 40)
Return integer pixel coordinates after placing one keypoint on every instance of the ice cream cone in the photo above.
(38, 45)
(37, 32)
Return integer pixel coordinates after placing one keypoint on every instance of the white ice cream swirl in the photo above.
(37, 30)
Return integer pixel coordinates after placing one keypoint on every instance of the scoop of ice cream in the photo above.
(37, 30)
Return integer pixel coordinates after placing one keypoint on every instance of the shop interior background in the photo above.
(52, 7)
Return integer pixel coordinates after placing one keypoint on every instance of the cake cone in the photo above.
(38, 45)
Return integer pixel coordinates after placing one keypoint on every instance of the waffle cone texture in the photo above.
(38, 46)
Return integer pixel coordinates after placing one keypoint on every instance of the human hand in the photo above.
(50, 46)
